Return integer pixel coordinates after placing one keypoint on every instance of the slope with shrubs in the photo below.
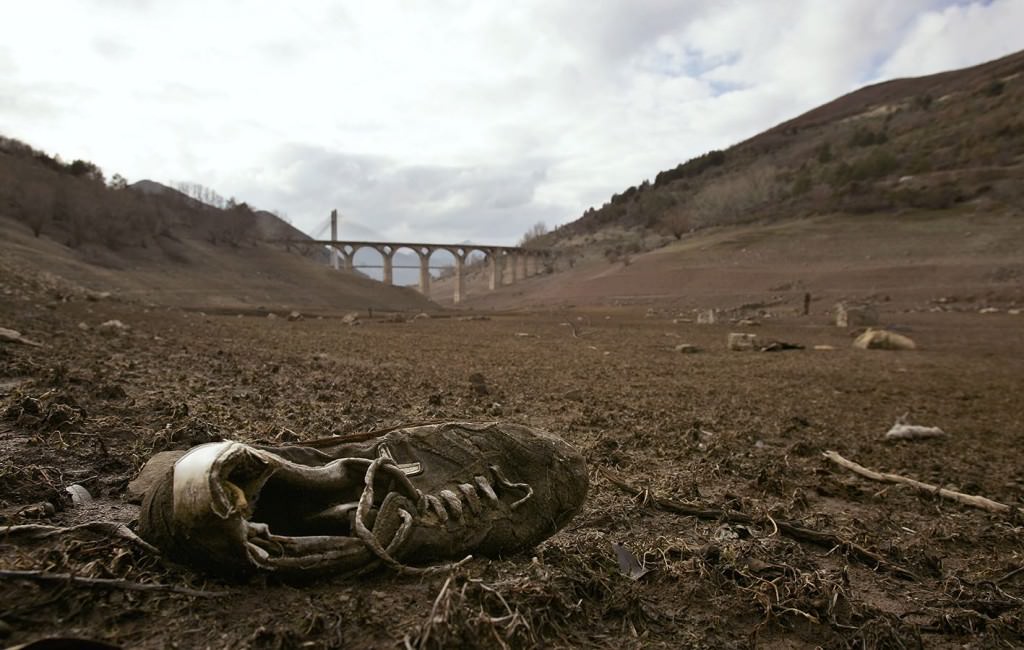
(155, 243)
(928, 143)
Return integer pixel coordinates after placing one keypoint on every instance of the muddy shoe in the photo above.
(420, 495)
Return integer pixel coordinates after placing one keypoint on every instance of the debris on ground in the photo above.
(351, 319)
(874, 339)
(707, 317)
(687, 348)
(14, 336)
(778, 346)
(903, 431)
(294, 316)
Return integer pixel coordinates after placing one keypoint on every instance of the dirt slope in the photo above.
(910, 259)
(194, 273)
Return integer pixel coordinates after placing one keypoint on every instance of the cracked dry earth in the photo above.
(736, 435)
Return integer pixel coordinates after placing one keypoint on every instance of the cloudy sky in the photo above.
(449, 120)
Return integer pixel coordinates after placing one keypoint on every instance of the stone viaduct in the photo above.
(522, 262)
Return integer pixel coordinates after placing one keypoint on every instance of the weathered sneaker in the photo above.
(420, 495)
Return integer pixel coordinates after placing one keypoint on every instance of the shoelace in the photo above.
(440, 504)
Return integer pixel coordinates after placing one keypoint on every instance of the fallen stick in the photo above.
(107, 583)
(959, 497)
(796, 531)
(107, 528)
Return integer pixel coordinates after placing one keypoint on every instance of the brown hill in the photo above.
(928, 143)
(62, 227)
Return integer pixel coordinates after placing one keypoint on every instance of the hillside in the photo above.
(62, 226)
(928, 143)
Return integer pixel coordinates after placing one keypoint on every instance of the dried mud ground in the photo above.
(737, 433)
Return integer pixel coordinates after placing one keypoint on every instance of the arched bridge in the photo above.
(521, 262)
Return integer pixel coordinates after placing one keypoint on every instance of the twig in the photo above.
(959, 497)
(107, 583)
(796, 531)
(109, 528)
(1010, 575)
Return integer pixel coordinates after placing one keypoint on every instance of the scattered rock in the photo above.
(707, 317)
(855, 315)
(14, 336)
(874, 339)
(575, 394)
(740, 342)
(83, 326)
(421, 316)
(1013, 312)
(271, 316)
(350, 319)
(96, 296)
(687, 348)
(824, 348)
(989, 310)
(113, 328)
(525, 335)
(294, 316)
(79, 495)
(748, 322)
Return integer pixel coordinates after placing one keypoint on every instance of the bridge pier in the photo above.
(424, 254)
(459, 263)
(387, 255)
(494, 262)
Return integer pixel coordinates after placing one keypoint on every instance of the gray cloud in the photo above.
(379, 196)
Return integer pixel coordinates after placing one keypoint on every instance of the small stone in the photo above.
(707, 317)
(989, 310)
(351, 318)
(113, 328)
(824, 348)
(748, 322)
(83, 326)
(79, 495)
(294, 316)
(421, 316)
(1013, 312)
(271, 316)
(687, 348)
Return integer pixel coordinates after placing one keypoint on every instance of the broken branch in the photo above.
(959, 497)
(107, 583)
(796, 531)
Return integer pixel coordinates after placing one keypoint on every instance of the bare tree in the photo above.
(676, 220)
(537, 230)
